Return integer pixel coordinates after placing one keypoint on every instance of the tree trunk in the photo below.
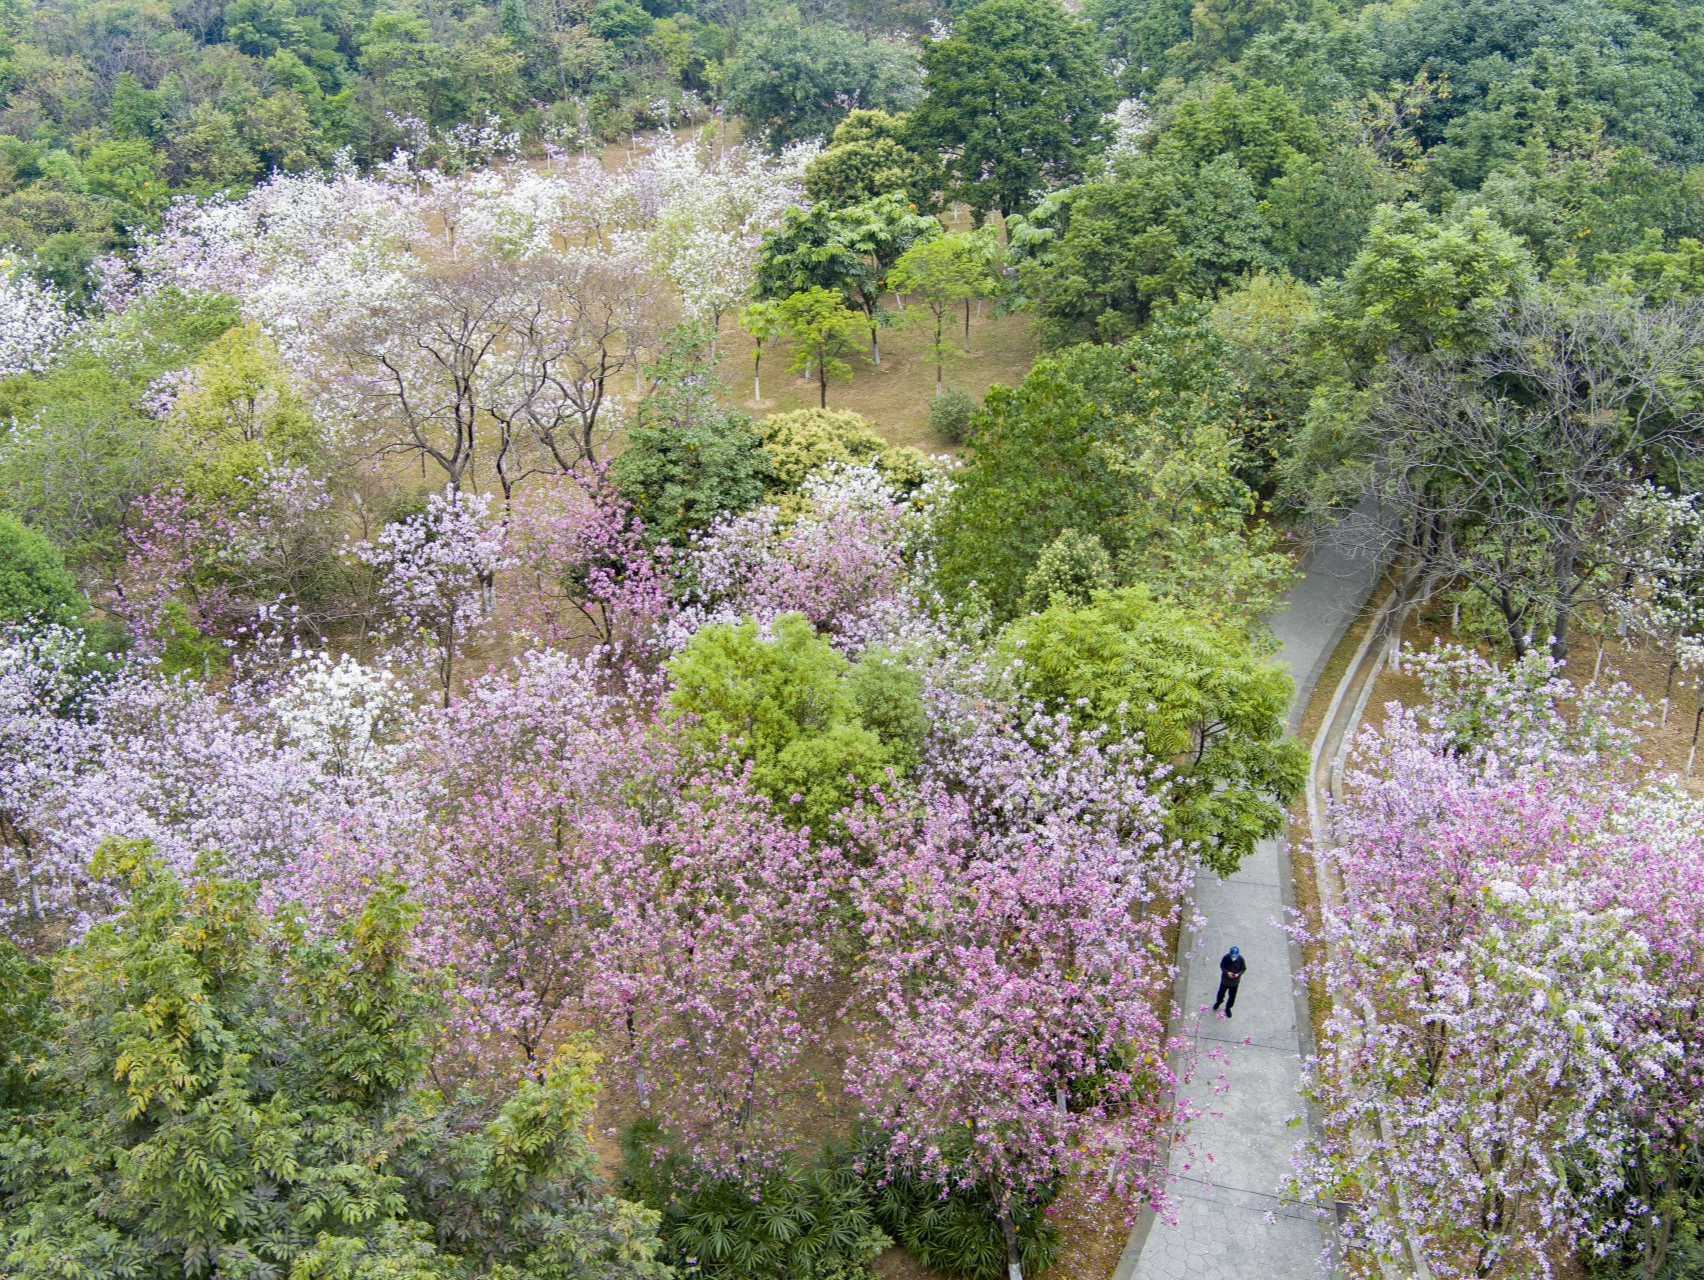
(757, 372)
(1009, 1233)
(967, 324)
(875, 348)
(1563, 584)
(822, 383)
(1697, 723)
(940, 353)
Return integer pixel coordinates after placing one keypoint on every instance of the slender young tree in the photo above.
(946, 271)
(822, 330)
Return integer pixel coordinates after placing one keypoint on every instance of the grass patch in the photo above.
(895, 396)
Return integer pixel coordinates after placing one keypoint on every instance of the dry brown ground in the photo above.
(895, 396)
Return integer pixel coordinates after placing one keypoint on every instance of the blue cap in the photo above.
(1235, 953)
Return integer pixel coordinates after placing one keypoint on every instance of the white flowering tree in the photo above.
(435, 574)
(34, 320)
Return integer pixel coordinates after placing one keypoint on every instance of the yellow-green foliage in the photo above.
(814, 727)
(802, 440)
(237, 414)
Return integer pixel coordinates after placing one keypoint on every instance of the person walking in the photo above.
(1231, 969)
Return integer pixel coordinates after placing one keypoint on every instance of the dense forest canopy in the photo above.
(483, 796)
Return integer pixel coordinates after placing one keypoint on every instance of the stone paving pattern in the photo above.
(1232, 1223)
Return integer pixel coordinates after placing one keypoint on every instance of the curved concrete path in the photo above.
(1232, 1224)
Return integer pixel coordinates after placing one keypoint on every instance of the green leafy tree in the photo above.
(688, 459)
(1420, 289)
(1422, 285)
(91, 448)
(795, 78)
(35, 585)
(1221, 29)
(680, 477)
(852, 249)
(1264, 325)
(1196, 695)
(948, 271)
(868, 157)
(1141, 35)
(822, 330)
(228, 1093)
(1017, 96)
(238, 414)
(762, 320)
(1258, 125)
(813, 726)
(1140, 445)
(1132, 243)
(800, 1224)
(25, 1024)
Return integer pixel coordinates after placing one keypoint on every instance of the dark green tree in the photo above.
(794, 78)
(1017, 96)
(1141, 35)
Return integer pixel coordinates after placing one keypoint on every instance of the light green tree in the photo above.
(1193, 692)
(948, 271)
(1072, 570)
(813, 726)
(1138, 444)
(762, 321)
(822, 330)
(1424, 286)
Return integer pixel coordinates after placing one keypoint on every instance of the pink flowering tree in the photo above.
(851, 558)
(1013, 915)
(1504, 1074)
(436, 573)
(714, 968)
(171, 540)
(582, 565)
(256, 772)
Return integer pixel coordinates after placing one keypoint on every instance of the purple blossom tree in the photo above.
(437, 572)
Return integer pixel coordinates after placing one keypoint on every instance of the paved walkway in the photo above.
(1224, 1201)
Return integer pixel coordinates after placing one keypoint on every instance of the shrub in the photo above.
(952, 415)
(796, 1224)
(800, 441)
(957, 1232)
(1069, 571)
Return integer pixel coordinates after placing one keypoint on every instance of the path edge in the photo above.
(1125, 1269)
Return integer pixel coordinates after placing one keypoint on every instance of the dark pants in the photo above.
(1227, 995)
